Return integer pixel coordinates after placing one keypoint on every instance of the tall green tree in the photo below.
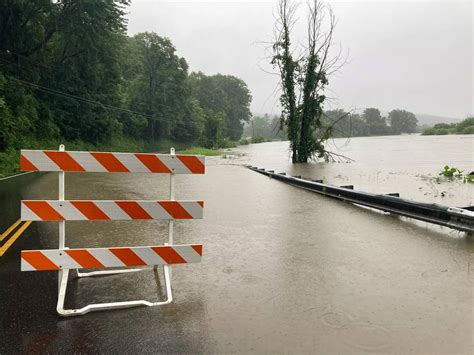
(376, 124)
(70, 47)
(68, 72)
(304, 78)
(402, 121)
(161, 89)
(226, 95)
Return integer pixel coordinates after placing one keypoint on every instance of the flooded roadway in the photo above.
(283, 270)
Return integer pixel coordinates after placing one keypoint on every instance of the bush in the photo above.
(244, 142)
(258, 139)
(9, 162)
(226, 143)
(468, 122)
(200, 151)
(468, 130)
(429, 132)
(444, 125)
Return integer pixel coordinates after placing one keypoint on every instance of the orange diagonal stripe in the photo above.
(127, 256)
(110, 162)
(90, 210)
(64, 161)
(38, 260)
(175, 210)
(133, 209)
(192, 163)
(26, 165)
(169, 255)
(84, 258)
(43, 210)
(153, 163)
(197, 248)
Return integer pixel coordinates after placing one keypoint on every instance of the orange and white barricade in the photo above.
(64, 259)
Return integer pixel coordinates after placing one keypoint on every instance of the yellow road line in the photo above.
(8, 231)
(14, 237)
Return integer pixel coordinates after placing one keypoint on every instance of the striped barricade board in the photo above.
(104, 162)
(100, 258)
(54, 210)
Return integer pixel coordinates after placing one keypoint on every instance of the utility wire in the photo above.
(89, 101)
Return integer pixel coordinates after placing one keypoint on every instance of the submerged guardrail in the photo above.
(461, 219)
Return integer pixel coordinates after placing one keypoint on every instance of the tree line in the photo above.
(69, 72)
(370, 123)
(466, 126)
(341, 123)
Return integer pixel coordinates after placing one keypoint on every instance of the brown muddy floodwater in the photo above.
(284, 269)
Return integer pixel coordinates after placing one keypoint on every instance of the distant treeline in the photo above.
(370, 123)
(340, 123)
(464, 127)
(69, 73)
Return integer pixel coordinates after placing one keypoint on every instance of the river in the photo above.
(283, 270)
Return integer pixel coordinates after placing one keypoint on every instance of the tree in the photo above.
(402, 121)
(86, 51)
(69, 73)
(160, 87)
(376, 124)
(224, 94)
(69, 47)
(303, 79)
(237, 108)
(265, 126)
(345, 124)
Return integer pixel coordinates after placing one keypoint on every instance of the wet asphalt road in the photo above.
(283, 270)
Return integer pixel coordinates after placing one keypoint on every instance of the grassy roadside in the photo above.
(200, 151)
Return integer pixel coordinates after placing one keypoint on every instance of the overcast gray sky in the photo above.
(415, 55)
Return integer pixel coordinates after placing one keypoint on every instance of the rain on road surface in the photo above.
(283, 270)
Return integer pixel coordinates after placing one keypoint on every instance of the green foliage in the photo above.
(469, 178)
(374, 120)
(258, 139)
(266, 126)
(402, 121)
(200, 151)
(370, 123)
(161, 90)
(9, 162)
(468, 130)
(69, 74)
(452, 173)
(464, 127)
(244, 141)
(304, 76)
(226, 95)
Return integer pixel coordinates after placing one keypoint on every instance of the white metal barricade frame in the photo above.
(63, 274)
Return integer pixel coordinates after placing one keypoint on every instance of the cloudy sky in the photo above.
(415, 55)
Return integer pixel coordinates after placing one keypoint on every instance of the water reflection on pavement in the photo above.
(283, 270)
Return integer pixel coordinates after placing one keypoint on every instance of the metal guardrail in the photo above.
(453, 217)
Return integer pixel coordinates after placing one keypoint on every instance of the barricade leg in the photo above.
(63, 278)
(106, 272)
